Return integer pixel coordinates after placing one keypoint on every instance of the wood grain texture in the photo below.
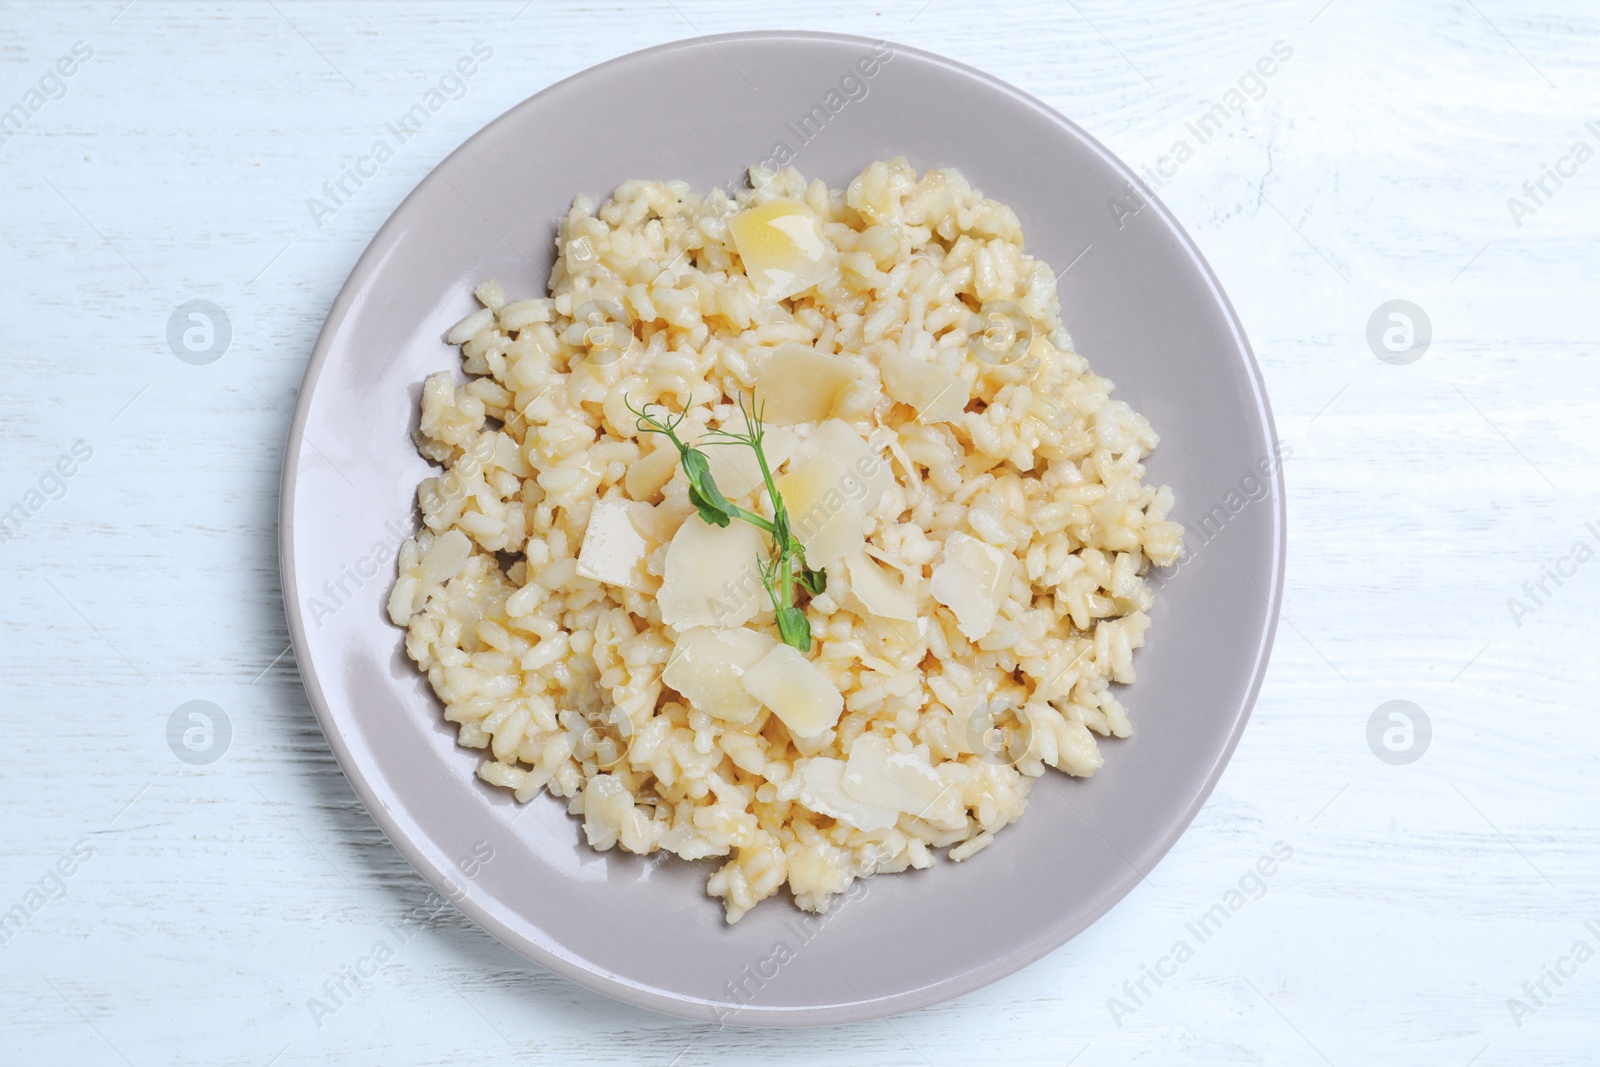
(1376, 164)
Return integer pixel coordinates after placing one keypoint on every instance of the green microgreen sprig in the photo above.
(785, 566)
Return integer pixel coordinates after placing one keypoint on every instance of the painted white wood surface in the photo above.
(1376, 164)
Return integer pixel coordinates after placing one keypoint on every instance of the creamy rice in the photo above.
(1034, 485)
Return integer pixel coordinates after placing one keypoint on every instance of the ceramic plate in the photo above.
(1141, 305)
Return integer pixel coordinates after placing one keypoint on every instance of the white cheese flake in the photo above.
(874, 592)
(935, 394)
(878, 774)
(614, 549)
(796, 690)
(851, 451)
(971, 581)
(799, 384)
(711, 577)
(708, 667)
(827, 522)
(782, 247)
(829, 487)
(822, 791)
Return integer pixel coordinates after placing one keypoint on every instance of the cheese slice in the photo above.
(796, 690)
(614, 548)
(799, 384)
(711, 576)
(708, 666)
(850, 450)
(880, 775)
(935, 394)
(826, 521)
(971, 581)
(822, 790)
(830, 485)
(874, 592)
(782, 247)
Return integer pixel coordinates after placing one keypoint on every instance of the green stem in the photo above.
(754, 520)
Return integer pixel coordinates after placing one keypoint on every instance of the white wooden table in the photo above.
(208, 904)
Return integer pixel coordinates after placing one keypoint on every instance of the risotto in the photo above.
(878, 385)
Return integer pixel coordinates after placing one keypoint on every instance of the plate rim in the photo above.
(689, 1008)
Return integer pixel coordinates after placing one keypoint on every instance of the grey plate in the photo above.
(1142, 306)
